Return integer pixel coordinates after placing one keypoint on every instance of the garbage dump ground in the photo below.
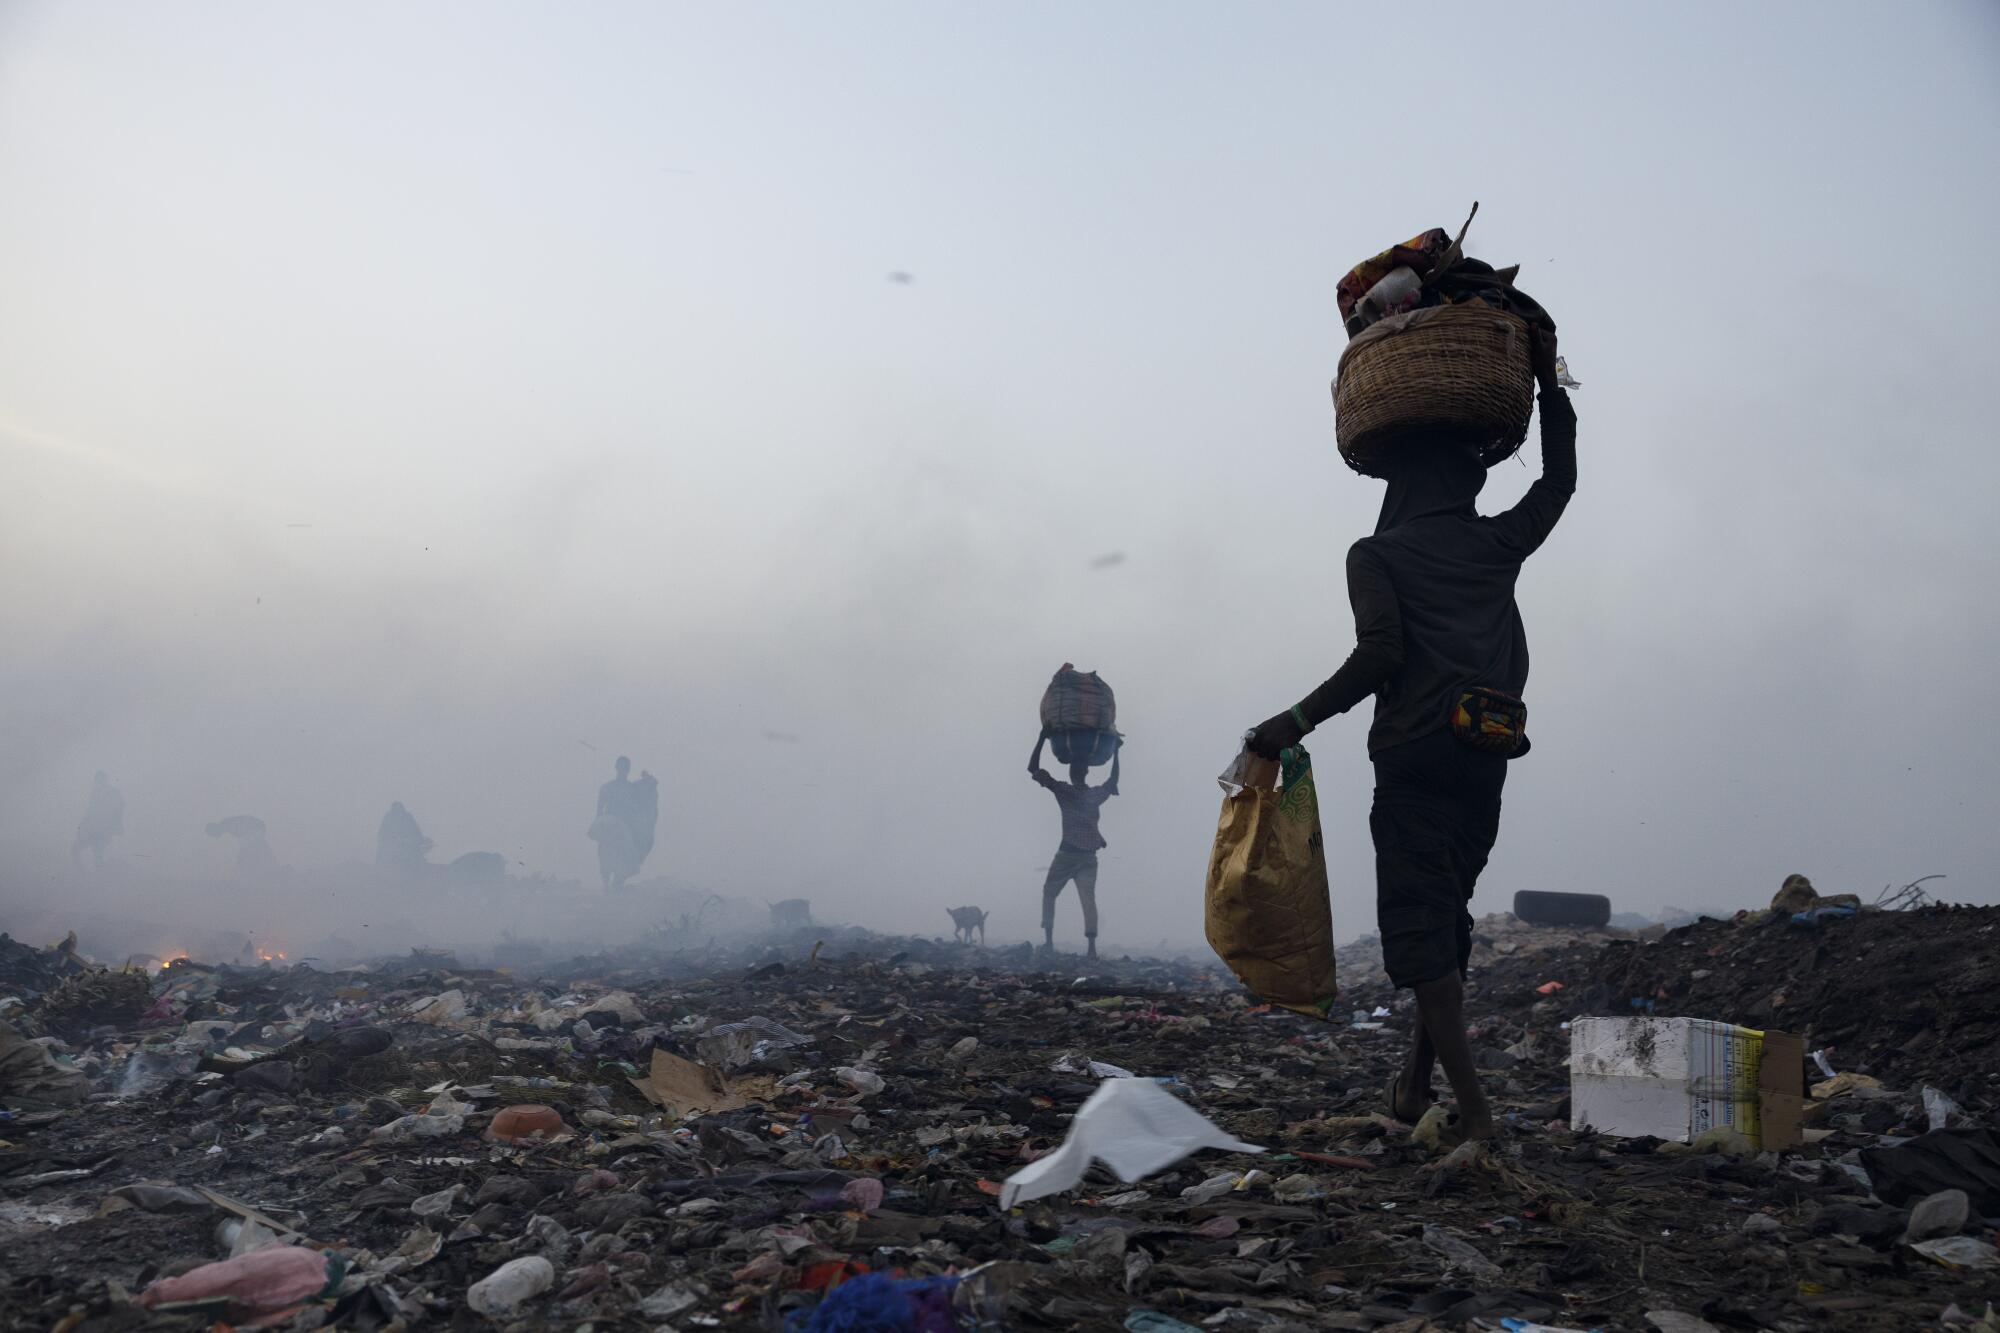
(815, 1131)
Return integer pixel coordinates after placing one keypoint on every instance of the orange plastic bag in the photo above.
(1267, 913)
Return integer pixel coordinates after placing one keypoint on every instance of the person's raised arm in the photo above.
(1377, 655)
(1528, 524)
(1035, 769)
(1111, 784)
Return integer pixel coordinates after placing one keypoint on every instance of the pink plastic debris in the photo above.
(272, 1281)
(864, 1192)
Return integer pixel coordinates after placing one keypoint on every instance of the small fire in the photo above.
(270, 955)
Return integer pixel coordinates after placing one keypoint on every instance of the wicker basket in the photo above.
(1460, 368)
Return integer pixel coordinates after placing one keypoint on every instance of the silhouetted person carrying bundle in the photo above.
(103, 820)
(628, 813)
(1440, 645)
(1076, 857)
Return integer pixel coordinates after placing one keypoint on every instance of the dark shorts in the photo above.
(1436, 814)
(1072, 864)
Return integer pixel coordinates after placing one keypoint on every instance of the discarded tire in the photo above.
(1562, 909)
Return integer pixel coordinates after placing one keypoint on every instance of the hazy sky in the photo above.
(433, 402)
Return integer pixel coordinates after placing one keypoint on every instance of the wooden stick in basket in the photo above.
(1455, 251)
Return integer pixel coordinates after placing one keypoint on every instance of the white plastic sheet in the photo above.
(1134, 1126)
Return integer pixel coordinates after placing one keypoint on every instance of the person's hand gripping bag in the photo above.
(1267, 913)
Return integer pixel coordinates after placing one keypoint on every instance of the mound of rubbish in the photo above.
(1910, 997)
(1497, 937)
(819, 1133)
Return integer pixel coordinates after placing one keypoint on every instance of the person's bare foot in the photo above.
(1474, 1123)
(1408, 1104)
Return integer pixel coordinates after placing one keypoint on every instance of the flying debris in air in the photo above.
(904, 278)
(1109, 560)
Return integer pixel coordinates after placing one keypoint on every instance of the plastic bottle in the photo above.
(1397, 291)
(502, 1292)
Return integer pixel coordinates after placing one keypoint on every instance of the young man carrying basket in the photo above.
(1438, 639)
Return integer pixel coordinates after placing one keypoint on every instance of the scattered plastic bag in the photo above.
(1133, 1126)
(1940, 1108)
(865, 1082)
(731, 1046)
(1208, 1191)
(1459, 1255)
(984, 1292)
(150, 1070)
(1959, 1252)
(622, 1005)
(501, 1293)
(247, 1236)
(445, 1007)
(437, 1205)
(444, 1117)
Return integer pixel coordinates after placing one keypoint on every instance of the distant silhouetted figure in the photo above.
(1076, 857)
(103, 820)
(253, 854)
(628, 812)
(400, 844)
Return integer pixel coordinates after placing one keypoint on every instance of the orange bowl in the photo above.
(529, 1122)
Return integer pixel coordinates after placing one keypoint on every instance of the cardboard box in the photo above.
(1678, 1078)
(1781, 1090)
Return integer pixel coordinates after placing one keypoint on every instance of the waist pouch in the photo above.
(1490, 721)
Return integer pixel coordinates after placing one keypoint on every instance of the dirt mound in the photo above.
(1908, 997)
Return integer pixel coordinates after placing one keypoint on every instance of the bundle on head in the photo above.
(1438, 349)
(1080, 716)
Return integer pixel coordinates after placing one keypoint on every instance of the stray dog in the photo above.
(965, 920)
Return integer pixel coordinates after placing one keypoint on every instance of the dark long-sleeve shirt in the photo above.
(1433, 600)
